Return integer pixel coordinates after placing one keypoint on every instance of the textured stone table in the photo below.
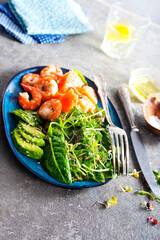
(31, 209)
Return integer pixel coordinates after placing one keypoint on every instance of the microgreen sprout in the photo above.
(109, 203)
(126, 189)
(141, 192)
(88, 144)
(135, 173)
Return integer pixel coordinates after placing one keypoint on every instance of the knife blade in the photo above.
(137, 142)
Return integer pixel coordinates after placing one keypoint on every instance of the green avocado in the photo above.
(26, 148)
(28, 138)
(34, 132)
(30, 117)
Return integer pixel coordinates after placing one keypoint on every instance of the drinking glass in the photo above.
(125, 25)
(145, 82)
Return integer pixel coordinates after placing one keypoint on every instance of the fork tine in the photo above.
(118, 135)
(113, 152)
(118, 153)
(120, 141)
(122, 153)
(127, 153)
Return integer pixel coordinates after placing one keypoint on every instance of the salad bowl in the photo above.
(10, 103)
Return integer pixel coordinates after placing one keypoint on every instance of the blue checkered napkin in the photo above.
(12, 26)
(50, 16)
(49, 38)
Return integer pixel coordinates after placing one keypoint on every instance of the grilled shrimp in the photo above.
(51, 71)
(47, 87)
(24, 101)
(30, 79)
(50, 109)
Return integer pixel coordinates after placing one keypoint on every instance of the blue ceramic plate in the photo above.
(10, 103)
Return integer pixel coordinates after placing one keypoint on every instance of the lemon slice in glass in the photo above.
(144, 87)
(118, 32)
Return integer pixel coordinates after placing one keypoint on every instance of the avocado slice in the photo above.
(34, 132)
(28, 138)
(26, 148)
(30, 117)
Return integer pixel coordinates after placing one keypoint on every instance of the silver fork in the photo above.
(119, 140)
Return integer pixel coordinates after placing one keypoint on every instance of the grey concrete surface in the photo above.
(31, 209)
(149, 7)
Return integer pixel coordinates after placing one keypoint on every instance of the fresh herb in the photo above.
(141, 192)
(87, 144)
(157, 175)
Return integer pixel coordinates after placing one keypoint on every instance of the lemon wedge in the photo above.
(123, 30)
(144, 87)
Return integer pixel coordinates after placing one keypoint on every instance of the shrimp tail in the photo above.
(24, 101)
(26, 87)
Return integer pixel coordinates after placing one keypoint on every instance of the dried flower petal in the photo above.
(148, 205)
(150, 219)
(155, 221)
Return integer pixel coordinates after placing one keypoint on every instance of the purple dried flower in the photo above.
(150, 219)
(148, 205)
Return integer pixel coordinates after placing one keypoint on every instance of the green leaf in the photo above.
(99, 176)
(158, 181)
(55, 159)
(156, 173)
